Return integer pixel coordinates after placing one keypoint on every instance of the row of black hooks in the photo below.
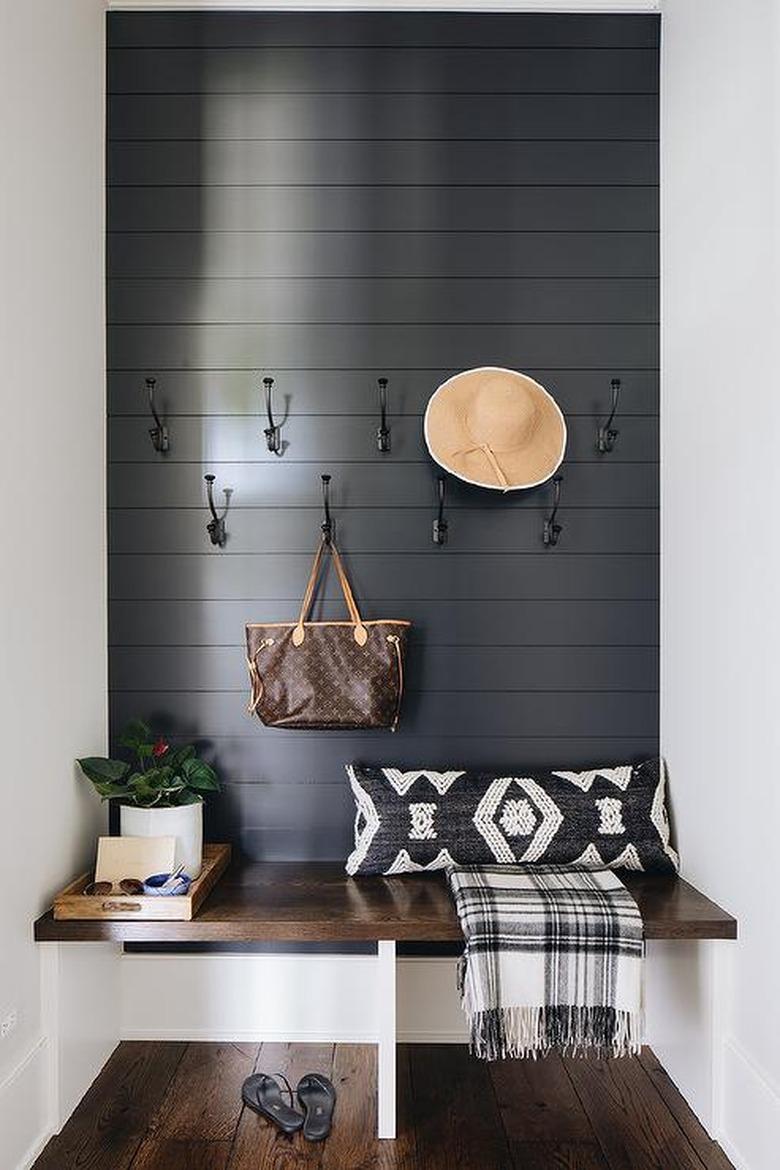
(605, 441)
(217, 530)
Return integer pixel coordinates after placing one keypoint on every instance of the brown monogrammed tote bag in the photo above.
(327, 675)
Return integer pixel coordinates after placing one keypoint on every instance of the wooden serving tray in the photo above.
(72, 903)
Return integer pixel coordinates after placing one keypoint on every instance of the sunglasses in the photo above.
(126, 886)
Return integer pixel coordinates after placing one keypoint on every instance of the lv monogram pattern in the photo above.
(329, 681)
(422, 820)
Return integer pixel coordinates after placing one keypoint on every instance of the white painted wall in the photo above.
(721, 544)
(53, 578)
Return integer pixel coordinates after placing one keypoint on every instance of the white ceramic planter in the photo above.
(185, 823)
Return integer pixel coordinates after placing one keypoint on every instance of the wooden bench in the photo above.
(316, 902)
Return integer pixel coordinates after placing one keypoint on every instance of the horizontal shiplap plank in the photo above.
(241, 440)
(429, 669)
(175, 530)
(453, 207)
(386, 116)
(282, 844)
(548, 573)
(354, 392)
(380, 69)
(393, 29)
(542, 622)
(211, 300)
(339, 346)
(288, 759)
(375, 484)
(386, 255)
(203, 714)
(394, 163)
(326, 805)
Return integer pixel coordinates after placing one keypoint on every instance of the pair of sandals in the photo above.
(315, 1094)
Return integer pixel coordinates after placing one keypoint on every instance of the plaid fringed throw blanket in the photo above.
(553, 960)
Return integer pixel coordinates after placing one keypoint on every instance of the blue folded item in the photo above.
(152, 885)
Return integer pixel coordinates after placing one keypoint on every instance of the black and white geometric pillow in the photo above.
(418, 820)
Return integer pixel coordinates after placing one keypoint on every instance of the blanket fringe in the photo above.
(518, 1032)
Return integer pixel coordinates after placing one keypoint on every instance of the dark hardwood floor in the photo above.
(165, 1106)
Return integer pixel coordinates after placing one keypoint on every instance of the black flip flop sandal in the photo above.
(263, 1094)
(318, 1100)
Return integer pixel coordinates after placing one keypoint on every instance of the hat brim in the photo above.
(451, 446)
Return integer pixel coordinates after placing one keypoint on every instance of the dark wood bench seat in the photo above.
(317, 902)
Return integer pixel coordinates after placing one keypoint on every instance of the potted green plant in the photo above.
(161, 789)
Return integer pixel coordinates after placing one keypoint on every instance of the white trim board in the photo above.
(594, 7)
(24, 1109)
(750, 1119)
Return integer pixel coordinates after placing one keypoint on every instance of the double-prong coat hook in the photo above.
(607, 433)
(383, 430)
(159, 432)
(552, 530)
(272, 432)
(440, 525)
(216, 525)
(328, 525)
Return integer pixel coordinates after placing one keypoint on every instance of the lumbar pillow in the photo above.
(408, 821)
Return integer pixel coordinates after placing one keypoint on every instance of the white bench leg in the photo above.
(386, 1048)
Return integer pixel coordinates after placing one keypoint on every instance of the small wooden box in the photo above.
(72, 903)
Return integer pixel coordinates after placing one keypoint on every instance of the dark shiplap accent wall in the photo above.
(328, 198)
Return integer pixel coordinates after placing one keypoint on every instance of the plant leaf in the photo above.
(135, 734)
(112, 791)
(187, 797)
(176, 756)
(200, 775)
(102, 771)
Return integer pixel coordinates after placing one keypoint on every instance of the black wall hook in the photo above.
(440, 525)
(216, 525)
(552, 530)
(383, 430)
(328, 525)
(272, 432)
(607, 434)
(159, 432)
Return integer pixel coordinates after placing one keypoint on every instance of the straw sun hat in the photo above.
(495, 428)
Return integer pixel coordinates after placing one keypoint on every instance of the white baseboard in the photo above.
(24, 1109)
(750, 1111)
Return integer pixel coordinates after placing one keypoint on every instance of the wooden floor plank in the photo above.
(538, 1103)
(456, 1116)
(353, 1141)
(108, 1125)
(260, 1145)
(402, 1154)
(170, 1154)
(547, 1156)
(634, 1127)
(203, 1102)
(709, 1151)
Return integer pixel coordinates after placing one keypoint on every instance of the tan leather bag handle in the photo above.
(360, 631)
